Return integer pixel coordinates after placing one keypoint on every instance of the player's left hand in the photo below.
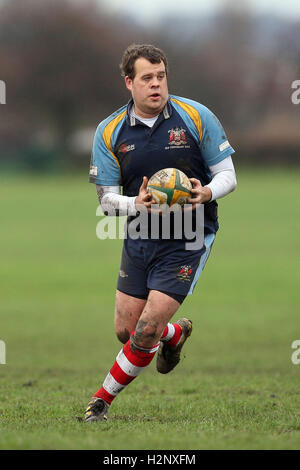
(200, 194)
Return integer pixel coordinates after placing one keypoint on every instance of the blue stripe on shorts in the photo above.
(208, 242)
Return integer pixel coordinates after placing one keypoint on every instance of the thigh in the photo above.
(157, 312)
(132, 278)
(128, 310)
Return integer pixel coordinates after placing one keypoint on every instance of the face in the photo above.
(149, 88)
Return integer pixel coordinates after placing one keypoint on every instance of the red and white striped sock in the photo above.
(171, 334)
(129, 363)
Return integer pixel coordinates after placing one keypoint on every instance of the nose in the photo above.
(155, 82)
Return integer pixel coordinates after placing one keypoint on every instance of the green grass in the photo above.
(235, 389)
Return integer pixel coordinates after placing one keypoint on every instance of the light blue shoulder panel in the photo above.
(207, 131)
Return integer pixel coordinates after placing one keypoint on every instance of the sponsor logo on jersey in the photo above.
(124, 148)
(184, 273)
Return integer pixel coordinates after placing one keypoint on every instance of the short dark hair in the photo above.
(134, 52)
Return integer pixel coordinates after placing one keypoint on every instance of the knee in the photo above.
(123, 335)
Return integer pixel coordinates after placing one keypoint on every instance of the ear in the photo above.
(128, 83)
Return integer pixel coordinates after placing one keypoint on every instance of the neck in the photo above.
(141, 114)
(145, 116)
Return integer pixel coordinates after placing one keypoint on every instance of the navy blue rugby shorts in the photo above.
(163, 265)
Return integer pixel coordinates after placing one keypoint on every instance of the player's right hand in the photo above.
(144, 197)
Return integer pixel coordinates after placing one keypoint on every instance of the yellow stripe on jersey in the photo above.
(108, 132)
(193, 113)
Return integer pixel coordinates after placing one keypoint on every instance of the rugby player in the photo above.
(155, 275)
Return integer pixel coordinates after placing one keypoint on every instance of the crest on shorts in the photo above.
(184, 273)
(177, 136)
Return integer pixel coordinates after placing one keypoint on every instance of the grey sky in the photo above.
(152, 10)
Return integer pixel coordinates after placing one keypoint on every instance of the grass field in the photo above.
(235, 389)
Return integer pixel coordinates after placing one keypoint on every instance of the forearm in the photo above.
(113, 203)
(223, 179)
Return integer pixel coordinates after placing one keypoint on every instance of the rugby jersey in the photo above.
(186, 135)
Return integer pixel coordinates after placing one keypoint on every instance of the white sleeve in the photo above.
(223, 178)
(113, 203)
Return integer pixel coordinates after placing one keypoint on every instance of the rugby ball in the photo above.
(170, 186)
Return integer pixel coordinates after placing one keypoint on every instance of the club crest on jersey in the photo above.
(184, 273)
(177, 136)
